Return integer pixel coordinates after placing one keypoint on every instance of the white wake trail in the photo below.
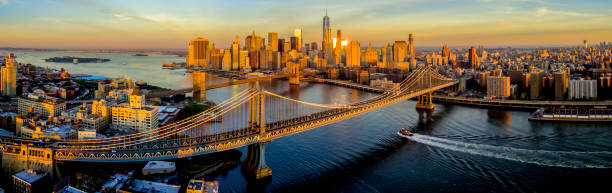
(568, 159)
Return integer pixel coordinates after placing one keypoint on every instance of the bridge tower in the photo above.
(199, 86)
(294, 70)
(255, 161)
(425, 102)
(257, 110)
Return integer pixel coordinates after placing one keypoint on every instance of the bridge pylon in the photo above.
(425, 102)
(255, 162)
(199, 86)
(294, 70)
(257, 111)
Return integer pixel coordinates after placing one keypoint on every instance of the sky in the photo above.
(110, 24)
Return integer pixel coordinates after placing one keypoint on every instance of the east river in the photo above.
(458, 149)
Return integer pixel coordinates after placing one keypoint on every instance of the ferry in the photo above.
(405, 133)
(573, 114)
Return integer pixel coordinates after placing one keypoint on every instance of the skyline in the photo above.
(68, 24)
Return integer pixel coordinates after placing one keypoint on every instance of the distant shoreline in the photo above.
(172, 52)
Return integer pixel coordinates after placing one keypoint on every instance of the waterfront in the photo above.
(147, 68)
(363, 154)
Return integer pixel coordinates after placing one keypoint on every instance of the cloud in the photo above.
(153, 18)
(542, 11)
(66, 21)
(163, 18)
(3, 2)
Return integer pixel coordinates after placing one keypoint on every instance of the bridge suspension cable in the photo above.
(234, 118)
(159, 136)
(189, 120)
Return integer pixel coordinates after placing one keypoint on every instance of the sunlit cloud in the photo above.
(542, 11)
(155, 18)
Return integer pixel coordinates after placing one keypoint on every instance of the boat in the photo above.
(405, 133)
(140, 55)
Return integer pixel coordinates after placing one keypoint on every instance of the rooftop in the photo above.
(159, 164)
(30, 176)
(93, 78)
(114, 181)
(148, 186)
(70, 189)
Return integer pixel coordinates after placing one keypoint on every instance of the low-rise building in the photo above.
(86, 134)
(135, 115)
(168, 115)
(200, 186)
(158, 167)
(70, 189)
(48, 129)
(31, 181)
(92, 117)
(384, 84)
(40, 104)
(148, 186)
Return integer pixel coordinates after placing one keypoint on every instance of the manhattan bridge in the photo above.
(251, 118)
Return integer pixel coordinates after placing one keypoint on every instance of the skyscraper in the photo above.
(399, 51)
(281, 45)
(371, 56)
(314, 46)
(338, 42)
(412, 56)
(199, 52)
(327, 40)
(8, 78)
(294, 43)
(298, 34)
(253, 42)
(445, 51)
(473, 58)
(326, 28)
(235, 54)
(226, 63)
(389, 56)
(273, 41)
(353, 54)
(560, 78)
(498, 86)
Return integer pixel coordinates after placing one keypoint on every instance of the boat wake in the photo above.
(568, 159)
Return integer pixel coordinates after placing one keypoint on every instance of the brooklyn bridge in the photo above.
(250, 118)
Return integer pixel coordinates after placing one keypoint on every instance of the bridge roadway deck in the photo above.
(230, 140)
(215, 86)
(349, 85)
